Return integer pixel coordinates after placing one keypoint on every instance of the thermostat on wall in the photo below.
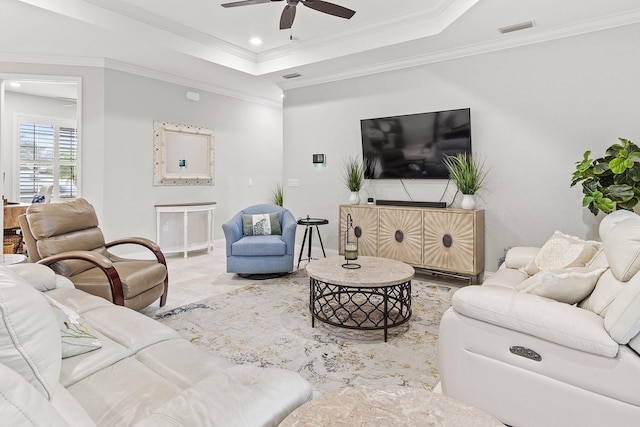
(318, 159)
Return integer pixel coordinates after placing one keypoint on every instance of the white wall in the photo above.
(247, 139)
(118, 110)
(535, 110)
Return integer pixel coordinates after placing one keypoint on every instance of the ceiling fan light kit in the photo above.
(289, 12)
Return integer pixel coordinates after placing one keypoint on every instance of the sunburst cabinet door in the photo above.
(452, 241)
(400, 235)
(367, 219)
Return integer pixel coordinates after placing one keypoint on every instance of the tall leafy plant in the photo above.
(353, 174)
(610, 182)
(468, 174)
(277, 196)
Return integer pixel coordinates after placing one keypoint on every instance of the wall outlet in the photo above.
(294, 182)
(250, 182)
(165, 226)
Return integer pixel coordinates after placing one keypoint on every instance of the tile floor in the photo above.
(203, 275)
(194, 278)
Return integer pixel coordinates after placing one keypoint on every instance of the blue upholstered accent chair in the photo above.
(248, 255)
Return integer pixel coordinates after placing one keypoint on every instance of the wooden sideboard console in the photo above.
(448, 241)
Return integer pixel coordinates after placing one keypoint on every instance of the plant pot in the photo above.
(468, 201)
(354, 198)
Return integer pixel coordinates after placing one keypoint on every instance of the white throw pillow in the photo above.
(563, 251)
(76, 337)
(569, 285)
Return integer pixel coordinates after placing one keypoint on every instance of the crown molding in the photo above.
(153, 28)
(511, 41)
(189, 83)
(112, 64)
(172, 27)
(349, 36)
(120, 16)
(43, 58)
(416, 26)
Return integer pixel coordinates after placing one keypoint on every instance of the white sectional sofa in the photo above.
(143, 374)
(556, 348)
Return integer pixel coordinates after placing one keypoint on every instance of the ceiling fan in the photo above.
(289, 12)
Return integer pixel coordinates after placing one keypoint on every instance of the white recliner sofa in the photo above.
(532, 360)
(136, 372)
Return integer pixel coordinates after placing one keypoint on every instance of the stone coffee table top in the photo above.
(366, 406)
(374, 271)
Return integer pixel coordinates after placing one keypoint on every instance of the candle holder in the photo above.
(350, 245)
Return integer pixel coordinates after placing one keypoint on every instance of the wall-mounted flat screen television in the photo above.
(413, 146)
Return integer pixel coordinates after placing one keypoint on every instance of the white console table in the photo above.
(186, 209)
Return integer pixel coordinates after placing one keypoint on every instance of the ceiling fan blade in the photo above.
(329, 8)
(287, 17)
(246, 3)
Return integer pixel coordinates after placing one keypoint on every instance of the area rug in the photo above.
(267, 323)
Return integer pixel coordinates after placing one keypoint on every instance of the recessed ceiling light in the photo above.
(15, 84)
(255, 41)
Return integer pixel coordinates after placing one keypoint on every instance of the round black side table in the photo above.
(309, 223)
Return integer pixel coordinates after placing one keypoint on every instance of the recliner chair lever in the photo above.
(525, 352)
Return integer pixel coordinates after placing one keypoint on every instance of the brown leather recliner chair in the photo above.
(66, 237)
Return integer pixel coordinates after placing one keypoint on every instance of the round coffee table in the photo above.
(375, 296)
(387, 406)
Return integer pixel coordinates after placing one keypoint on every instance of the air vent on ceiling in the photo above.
(291, 76)
(517, 27)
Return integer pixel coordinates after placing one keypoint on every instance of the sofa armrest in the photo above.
(520, 256)
(100, 261)
(232, 231)
(541, 317)
(42, 278)
(622, 319)
(21, 404)
(289, 227)
(148, 244)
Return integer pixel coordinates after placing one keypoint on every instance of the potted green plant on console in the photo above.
(468, 174)
(353, 175)
(610, 182)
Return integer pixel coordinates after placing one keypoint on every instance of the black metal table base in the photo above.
(309, 223)
(361, 308)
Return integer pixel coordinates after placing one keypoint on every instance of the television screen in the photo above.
(413, 146)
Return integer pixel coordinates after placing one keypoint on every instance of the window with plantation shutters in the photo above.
(48, 156)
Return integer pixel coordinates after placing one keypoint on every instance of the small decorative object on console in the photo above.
(468, 174)
(353, 175)
(350, 245)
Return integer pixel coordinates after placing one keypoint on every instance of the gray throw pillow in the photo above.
(260, 225)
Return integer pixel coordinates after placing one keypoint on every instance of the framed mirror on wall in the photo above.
(182, 154)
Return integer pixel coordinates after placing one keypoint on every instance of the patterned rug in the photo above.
(267, 323)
